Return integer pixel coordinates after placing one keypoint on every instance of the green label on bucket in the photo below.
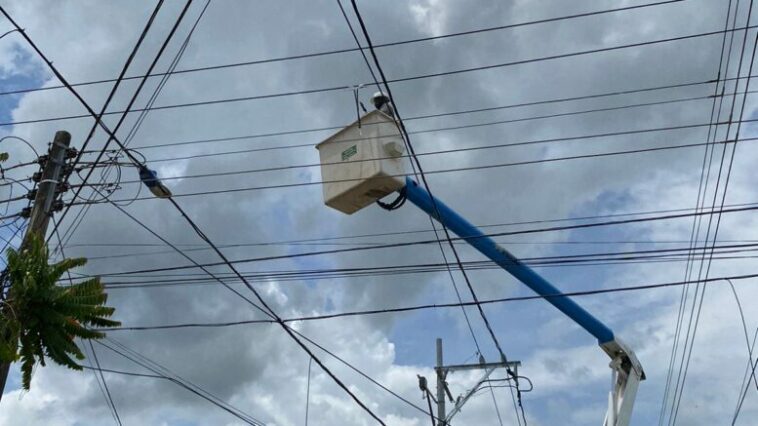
(349, 152)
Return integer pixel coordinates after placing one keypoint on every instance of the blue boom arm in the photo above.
(506, 260)
(627, 370)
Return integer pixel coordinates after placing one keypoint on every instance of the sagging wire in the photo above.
(115, 159)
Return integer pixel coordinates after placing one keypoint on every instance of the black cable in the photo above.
(186, 256)
(202, 393)
(339, 51)
(452, 170)
(744, 329)
(130, 104)
(62, 79)
(354, 368)
(308, 391)
(468, 111)
(373, 272)
(751, 371)
(427, 153)
(396, 80)
(138, 123)
(105, 385)
(8, 32)
(10, 216)
(414, 308)
(272, 313)
(10, 200)
(123, 373)
(401, 198)
(701, 199)
(422, 242)
(726, 183)
(667, 253)
(723, 199)
(36, 154)
(429, 130)
(336, 244)
(693, 235)
(420, 231)
(429, 403)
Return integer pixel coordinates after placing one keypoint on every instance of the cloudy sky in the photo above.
(256, 368)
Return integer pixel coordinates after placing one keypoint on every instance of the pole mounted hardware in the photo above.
(151, 181)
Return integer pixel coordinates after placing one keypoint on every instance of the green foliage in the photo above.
(41, 318)
(4, 156)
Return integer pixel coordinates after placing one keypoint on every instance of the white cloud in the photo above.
(257, 368)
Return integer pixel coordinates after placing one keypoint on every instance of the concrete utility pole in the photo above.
(42, 208)
(441, 384)
(442, 371)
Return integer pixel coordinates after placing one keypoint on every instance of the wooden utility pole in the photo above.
(42, 209)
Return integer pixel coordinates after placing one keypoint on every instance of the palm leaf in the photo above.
(49, 317)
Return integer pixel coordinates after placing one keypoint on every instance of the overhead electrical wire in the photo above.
(396, 80)
(711, 209)
(385, 271)
(24, 141)
(100, 379)
(726, 181)
(695, 230)
(164, 373)
(467, 111)
(112, 137)
(445, 151)
(744, 329)
(79, 219)
(274, 316)
(422, 242)
(440, 171)
(60, 77)
(348, 50)
(433, 306)
(98, 118)
(361, 373)
(423, 231)
(745, 386)
(192, 248)
(703, 287)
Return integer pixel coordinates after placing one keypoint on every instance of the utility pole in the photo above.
(443, 391)
(42, 208)
(441, 385)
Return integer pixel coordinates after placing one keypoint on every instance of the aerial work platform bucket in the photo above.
(362, 162)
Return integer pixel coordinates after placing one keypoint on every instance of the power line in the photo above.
(439, 129)
(433, 306)
(594, 259)
(450, 113)
(132, 100)
(112, 137)
(308, 391)
(105, 385)
(723, 199)
(422, 242)
(396, 80)
(156, 368)
(352, 367)
(440, 171)
(697, 221)
(347, 50)
(136, 126)
(273, 314)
